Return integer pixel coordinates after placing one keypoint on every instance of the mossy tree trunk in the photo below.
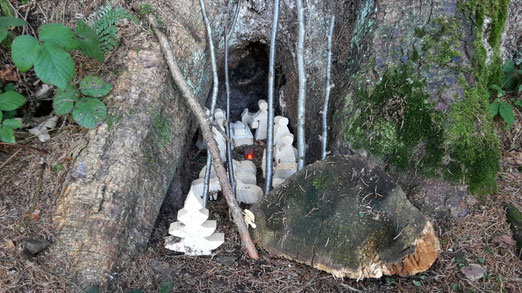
(415, 91)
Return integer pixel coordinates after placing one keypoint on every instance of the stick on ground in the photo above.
(202, 120)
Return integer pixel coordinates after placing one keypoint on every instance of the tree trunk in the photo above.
(414, 93)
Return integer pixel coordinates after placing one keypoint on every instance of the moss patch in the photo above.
(395, 118)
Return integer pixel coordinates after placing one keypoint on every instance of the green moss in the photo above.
(161, 127)
(395, 119)
(441, 42)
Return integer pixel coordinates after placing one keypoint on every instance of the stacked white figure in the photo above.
(247, 190)
(280, 129)
(260, 120)
(241, 134)
(195, 233)
(219, 118)
(285, 159)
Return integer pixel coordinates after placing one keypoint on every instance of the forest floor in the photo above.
(32, 174)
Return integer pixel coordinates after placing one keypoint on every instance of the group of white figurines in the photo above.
(197, 233)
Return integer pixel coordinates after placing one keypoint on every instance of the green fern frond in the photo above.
(104, 22)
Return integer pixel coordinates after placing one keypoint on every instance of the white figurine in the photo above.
(284, 151)
(280, 128)
(247, 117)
(260, 122)
(248, 193)
(241, 134)
(197, 233)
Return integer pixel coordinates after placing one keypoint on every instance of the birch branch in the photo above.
(270, 126)
(301, 98)
(324, 141)
(201, 118)
(214, 94)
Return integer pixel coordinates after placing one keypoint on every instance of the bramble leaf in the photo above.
(6, 21)
(89, 43)
(11, 100)
(58, 34)
(493, 107)
(12, 123)
(54, 65)
(94, 86)
(63, 101)
(88, 112)
(24, 52)
(7, 135)
(3, 33)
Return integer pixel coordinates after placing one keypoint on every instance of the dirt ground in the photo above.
(31, 177)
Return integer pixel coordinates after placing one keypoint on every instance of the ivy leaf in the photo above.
(11, 100)
(89, 42)
(493, 107)
(509, 67)
(63, 101)
(24, 52)
(58, 34)
(94, 86)
(12, 123)
(506, 111)
(54, 65)
(88, 112)
(6, 21)
(7, 135)
(3, 33)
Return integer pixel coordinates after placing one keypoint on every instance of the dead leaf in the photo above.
(11, 246)
(36, 215)
(504, 240)
(9, 74)
(473, 272)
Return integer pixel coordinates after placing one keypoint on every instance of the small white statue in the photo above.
(247, 117)
(248, 193)
(260, 120)
(241, 134)
(284, 151)
(280, 128)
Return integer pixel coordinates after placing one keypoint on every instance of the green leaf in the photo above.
(416, 283)
(3, 33)
(6, 21)
(12, 123)
(89, 41)
(94, 86)
(54, 65)
(58, 34)
(506, 111)
(63, 101)
(166, 287)
(518, 103)
(92, 289)
(509, 67)
(9, 87)
(7, 135)
(493, 107)
(509, 82)
(1, 116)
(11, 100)
(24, 52)
(496, 88)
(88, 112)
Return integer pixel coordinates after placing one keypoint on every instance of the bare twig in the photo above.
(324, 141)
(270, 126)
(200, 115)
(10, 158)
(301, 98)
(214, 93)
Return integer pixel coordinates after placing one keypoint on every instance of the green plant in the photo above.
(511, 81)
(104, 22)
(87, 110)
(50, 54)
(7, 21)
(9, 101)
